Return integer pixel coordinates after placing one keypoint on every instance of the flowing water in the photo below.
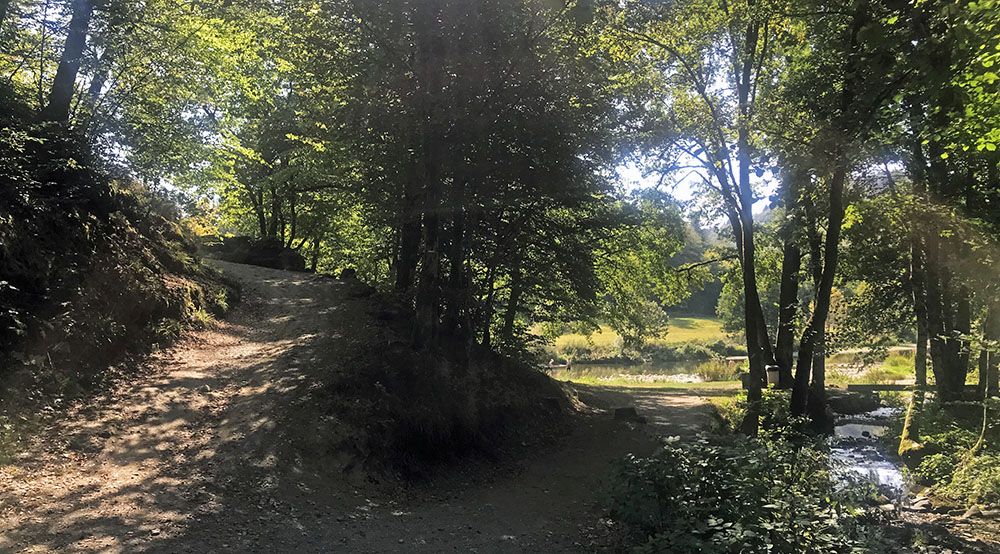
(858, 455)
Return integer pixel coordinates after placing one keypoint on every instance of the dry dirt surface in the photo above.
(192, 454)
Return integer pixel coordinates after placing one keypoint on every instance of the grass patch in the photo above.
(717, 370)
(693, 329)
(626, 382)
(687, 339)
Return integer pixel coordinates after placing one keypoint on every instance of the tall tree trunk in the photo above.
(513, 302)
(272, 228)
(813, 339)
(408, 247)
(812, 342)
(456, 310)
(430, 52)
(803, 370)
(910, 437)
(487, 317)
(293, 217)
(428, 306)
(788, 295)
(408, 253)
(963, 330)
(61, 94)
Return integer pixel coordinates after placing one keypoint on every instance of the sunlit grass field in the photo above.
(693, 329)
(681, 330)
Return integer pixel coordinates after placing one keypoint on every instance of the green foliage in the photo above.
(975, 481)
(766, 495)
(716, 370)
(91, 269)
(637, 280)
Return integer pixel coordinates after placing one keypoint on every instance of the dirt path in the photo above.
(191, 455)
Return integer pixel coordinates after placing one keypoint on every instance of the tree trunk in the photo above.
(803, 369)
(513, 302)
(791, 263)
(293, 218)
(4, 8)
(910, 437)
(272, 228)
(61, 94)
(812, 342)
(487, 317)
(314, 258)
(408, 253)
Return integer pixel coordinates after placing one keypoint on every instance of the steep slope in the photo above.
(93, 269)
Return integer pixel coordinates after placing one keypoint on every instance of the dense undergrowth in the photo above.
(93, 268)
(724, 493)
(951, 460)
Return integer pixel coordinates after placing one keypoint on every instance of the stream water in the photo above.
(858, 455)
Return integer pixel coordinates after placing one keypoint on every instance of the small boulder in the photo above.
(973, 511)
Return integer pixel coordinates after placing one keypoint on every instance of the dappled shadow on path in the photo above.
(139, 466)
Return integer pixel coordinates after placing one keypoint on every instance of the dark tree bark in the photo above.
(759, 350)
(408, 253)
(64, 84)
(514, 301)
(408, 246)
(813, 338)
(488, 306)
(430, 50)
(812, 346)
(314, 257)
(788, 295)
(910, 437)
(293, 219)
(4, 8)
(456, 309)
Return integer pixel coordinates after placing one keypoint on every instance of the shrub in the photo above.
(765, 495)
(976, 481)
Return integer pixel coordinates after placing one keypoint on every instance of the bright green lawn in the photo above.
(694, 329)
(681, 330)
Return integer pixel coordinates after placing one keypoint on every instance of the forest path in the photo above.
(189, 455)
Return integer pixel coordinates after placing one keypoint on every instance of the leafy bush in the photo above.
(765, 495)
(976, 480)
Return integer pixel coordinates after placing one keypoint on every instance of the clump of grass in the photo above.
(899, 363)
(716, 370)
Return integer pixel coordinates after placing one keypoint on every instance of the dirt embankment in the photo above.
(206, 451)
